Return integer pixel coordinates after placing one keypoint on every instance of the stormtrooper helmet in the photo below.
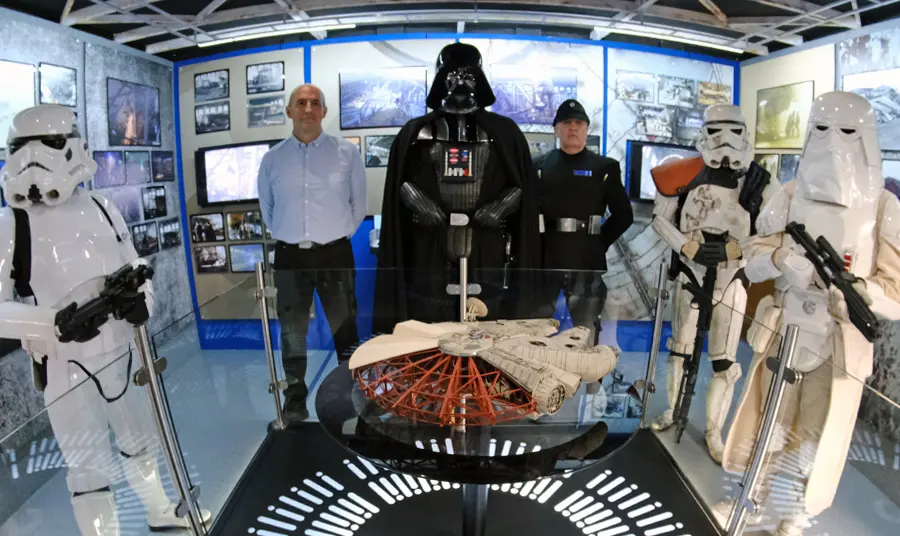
(46, 157)
(460, 85)
(841, 159)
(724, 140)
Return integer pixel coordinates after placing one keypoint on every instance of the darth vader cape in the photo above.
(409, 253)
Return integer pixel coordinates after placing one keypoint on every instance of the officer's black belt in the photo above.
(574, 225)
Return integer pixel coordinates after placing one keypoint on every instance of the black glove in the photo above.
(711, 254)
(493, 214)
(428, 212)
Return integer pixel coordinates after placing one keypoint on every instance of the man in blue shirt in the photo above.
(312, 194)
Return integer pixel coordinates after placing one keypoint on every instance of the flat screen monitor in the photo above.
(227, 174)
(644, 156)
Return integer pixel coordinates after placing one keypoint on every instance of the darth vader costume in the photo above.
(459, 183)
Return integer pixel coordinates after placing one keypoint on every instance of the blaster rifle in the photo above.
(830, 267)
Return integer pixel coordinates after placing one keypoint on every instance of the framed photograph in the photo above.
(128, 201)
(709, 93)
(145, 239)
(214, 117)
(132, 113)
(382, 98)
(594, 143)
(675, 91)
(163, 165)
(539, 144)
(265, 77)
(169, 233)
(768, 161)
(782, 114)
(654, 120)
(137, 167)
(378, 149)
(882, 89)
(787, 170)
(688, 124)
(266, 111)
(154, 198)
(245, 256)
(110, 169)
(532, 98)
(207, 228)
(355, 140)
(210, 259)
(244, 225)
(210, 86)
(58, 85)
(14, 97)
(634, 86)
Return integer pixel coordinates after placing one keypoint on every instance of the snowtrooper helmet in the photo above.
(724, 140)
(46, 157)
(841, 159)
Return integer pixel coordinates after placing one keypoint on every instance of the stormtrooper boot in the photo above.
(95, 513)
(793, 526)
(142, 474)
(718, 402)
(673, 384)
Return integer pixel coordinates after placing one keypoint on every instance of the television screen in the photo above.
(110, 169)
(644, 156)
(133, 113)
(385, 98)
(245, 256)
(228, 174)
(531, 97)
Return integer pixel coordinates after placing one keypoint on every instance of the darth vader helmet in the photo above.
(460, 85)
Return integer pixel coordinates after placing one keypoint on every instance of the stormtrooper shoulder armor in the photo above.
(773, 218)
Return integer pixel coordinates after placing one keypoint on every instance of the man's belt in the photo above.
(591, 226)
(306, 244)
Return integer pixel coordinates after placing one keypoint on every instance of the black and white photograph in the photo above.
(768, 161)
(709, 93)
(532, 98)
(378, 148)
(154, 201)
(882, 89)
(355, 140)
(163, 164)
(132, 113)
(245, 256)
(782, 114)
(58, 85)
(137, 167)
(128, 201)
(211, 86)
(212, 117)
(110, 169)
(265, 111)
(145, 239)
(540, 144)
(207, 228)
(789, 165)
(382, 98)
(633, 86)
(169, 233)
(265, 77)
(14, 97)
(688, 124)
(655, 120)
(210, 259)
(675, 91)
(244, 225)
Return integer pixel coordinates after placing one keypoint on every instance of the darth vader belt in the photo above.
(591, 226)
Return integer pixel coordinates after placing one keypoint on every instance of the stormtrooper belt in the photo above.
(591, 226)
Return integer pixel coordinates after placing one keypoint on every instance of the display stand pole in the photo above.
(463, 287)
(475, 500)
(149, 376)
(661, 296)
(262, 294)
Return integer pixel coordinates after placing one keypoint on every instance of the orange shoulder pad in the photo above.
(672, 177)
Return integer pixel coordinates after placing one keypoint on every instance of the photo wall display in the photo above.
(235, 227)
(266, 111)
(355, 140)
(154, 202)
(118, 168)
(17, 96)
(531, 98)
(207, 228)
(58, 85)
(265, 78)
(244, 257)
(169, 233)
(383, 98)
(137, 167)
(132, 113)
(210, 259)
(128, 201)
(378, 149)
(245, 225)
(163, 166)
(782, 114)
(145, 238)
(768, 161)
(211, 86)
(214, 117)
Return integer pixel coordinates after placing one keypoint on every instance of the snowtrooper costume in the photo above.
(58, 242)
(839, 194)
(705, 208)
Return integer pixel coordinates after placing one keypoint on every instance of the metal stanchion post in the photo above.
(752, 478)
(262, 294)
(662, 295)
(149, 376)
(463, 287)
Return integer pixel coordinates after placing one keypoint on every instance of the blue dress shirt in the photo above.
(312, 192)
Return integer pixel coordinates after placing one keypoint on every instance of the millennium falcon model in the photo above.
(478, 373)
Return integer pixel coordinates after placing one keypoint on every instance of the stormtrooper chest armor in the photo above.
(710, 207)
(73, 247)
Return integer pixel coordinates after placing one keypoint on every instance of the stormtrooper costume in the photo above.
(839, 194)
(700, 200)
(59, 244)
